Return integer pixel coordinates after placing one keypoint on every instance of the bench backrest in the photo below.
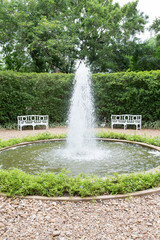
(33, 119)
(128, 118)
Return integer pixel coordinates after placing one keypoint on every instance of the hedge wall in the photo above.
(33, 93)
(128, 93)
(118, 93)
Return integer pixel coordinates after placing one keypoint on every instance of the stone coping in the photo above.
(99, 139)
(102, 197)
(96, 198)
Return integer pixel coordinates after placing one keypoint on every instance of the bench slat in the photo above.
(127, 119)
(32, 120)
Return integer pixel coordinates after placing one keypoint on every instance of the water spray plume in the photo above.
(81, 119)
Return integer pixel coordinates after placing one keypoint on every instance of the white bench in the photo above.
(32, 120)
(127, 119)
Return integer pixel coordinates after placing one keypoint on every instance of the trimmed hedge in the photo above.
(43, 93)
(32, 93)
(128, 93)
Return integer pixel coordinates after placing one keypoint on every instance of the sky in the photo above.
(150, 8)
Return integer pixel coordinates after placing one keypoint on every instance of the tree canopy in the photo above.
(49, 35)
(146, 55)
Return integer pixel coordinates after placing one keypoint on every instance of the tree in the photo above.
(107, 34)
(49, 35)
(156, 28)
(144, 57)
(156, 25)
(41, 39)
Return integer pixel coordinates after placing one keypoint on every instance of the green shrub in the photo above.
(16, 182)
(135, 137)
(150, 125)
(49, 94)
(128, 93)
(32, 93)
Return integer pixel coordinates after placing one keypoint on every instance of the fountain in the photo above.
(80, 139)
(80, 153)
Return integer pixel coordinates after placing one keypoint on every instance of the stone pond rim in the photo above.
(99, 139)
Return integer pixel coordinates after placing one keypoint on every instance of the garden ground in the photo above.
(7, 134)
(114, 219)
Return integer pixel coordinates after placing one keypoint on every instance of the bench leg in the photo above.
(19, 128)
(138, 127)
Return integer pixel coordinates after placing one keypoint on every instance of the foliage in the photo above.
(156, 25)
(49, 94)
(109, 45)
(152, 125)
(156, 28)
(24, 94)
(43, 136)
(146, 56)
(108, 134)
(135, 137)
(48, 36)
(127, 93)
(37, 36)
(16, 182)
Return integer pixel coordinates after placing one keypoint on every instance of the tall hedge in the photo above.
(33, 93)
(118, 93)
(128, 93)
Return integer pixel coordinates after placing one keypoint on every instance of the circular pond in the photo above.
(111, 157)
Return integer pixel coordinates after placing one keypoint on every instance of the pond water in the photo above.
(111, 157)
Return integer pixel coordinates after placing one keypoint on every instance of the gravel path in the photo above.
(115, 219)
(137, 218)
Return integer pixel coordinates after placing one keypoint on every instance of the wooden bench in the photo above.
(127, 119)
(32, 120)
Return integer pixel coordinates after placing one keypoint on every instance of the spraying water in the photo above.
(80, 140)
